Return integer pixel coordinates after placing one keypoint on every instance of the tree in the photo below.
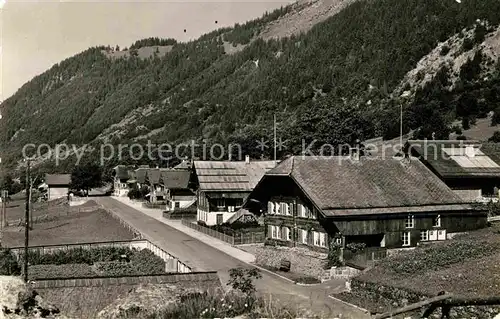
(495, 137)
(85, 177)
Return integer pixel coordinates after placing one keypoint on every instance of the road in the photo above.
(204, 257)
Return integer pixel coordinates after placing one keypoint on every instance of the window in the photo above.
(436, 221)
(315, 238)
(424, 235)
(289, 210)
(406, 239)
(277, 207)
(219, 202)
(275, 232)
(338, 241)
(287, 234)
(304, 236)
(270, 208)
(177, 204)
(301, 211)
(410, 221)
(322, 239)
(284, 208)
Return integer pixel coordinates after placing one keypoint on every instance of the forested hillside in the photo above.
(338, 82)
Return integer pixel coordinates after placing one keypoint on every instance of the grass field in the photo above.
(16, 208)
(468, 265)
(93, 226)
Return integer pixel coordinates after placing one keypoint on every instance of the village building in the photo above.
(178, 187)
(57, 185)
(469, 168)
(223, 186)
(121, 177)
(378, 203)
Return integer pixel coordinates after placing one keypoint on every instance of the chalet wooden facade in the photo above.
(179, 189)
(223, 186)
(381, 203)
(470, 169)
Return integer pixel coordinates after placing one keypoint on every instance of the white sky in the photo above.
(38, 34)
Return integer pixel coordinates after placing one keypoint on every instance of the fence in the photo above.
(179, 216)
(160, 205)
(366, 256)
(54, 214)
(172, 263)
(241, 239)
(210, 279)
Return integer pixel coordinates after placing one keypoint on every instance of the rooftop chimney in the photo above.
(247, 159)
(469, 151)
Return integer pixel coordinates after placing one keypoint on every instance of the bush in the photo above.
(495, 138)
(8, 263)
(461, 138)
(445, 50)
(60, 271)
(79, 255)
(495, 119)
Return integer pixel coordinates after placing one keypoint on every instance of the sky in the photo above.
(34, 35)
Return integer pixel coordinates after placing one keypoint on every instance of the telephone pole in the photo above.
(26, 222)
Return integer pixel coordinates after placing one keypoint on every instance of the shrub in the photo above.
(242, 279)
(467, 45)
(461, 138)
(495, 137)
(445, 50)
(495, 119)
(334, 256)
(58, 271)
(8, 263)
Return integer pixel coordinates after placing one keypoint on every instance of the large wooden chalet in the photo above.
(223, 186)
(386, 203)
(470, 169)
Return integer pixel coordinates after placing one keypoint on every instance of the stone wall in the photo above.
(303, 261)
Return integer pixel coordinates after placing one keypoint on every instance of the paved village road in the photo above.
(203, 257)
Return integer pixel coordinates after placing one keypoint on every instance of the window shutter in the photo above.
(269, 207)
(269, 231)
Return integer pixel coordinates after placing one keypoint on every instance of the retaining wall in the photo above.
(210, 279)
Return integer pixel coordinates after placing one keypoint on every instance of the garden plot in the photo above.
(96, 226)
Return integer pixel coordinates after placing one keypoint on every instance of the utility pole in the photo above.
(26, 223)
(275, 139)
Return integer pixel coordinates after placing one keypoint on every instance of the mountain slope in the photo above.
(337, 82)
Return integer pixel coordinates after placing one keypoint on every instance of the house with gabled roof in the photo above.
(57, 185)
(469, 168)
(179, 188)
(379, 203)
(121, 177)
(223, 186)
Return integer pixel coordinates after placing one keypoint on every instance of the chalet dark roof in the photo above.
(122, 171)
(341, 186)
(140, 175)
(57, 179)
(230, 176)
(175, 179)
(183, 165)
(449, 159)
